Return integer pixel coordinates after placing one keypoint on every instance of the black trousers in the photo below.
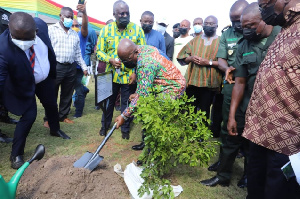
(65, 78)
(216, 115)
(265, 178)
(126, 91)
(204, 97)
(46, 93)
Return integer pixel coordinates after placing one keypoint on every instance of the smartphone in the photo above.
(288, 171)
(81, 1)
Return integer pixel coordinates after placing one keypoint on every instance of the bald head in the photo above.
(211, 19)
(22, 26)
(125, 49)
(185, 24)
(251, 11)
(119, 4)
(237, 9)
(198, 21)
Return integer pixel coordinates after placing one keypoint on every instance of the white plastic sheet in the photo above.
(133, 181)
(295, 161)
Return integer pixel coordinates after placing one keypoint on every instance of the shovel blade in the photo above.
(94, 163)
(83, 160)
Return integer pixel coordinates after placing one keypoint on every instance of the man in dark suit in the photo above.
(27, 67)
(169, 41)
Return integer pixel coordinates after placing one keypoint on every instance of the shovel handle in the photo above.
(103, 142)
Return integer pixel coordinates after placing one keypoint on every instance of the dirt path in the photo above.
(56, 178)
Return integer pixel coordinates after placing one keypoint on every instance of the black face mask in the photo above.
(182, 31)
(124, 21)
(147, 27)
(271, 18)
(176, 34)
(237, 26)
(209, 30)
(251, 35)
(130, 64)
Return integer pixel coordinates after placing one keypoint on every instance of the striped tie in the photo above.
(32, 57)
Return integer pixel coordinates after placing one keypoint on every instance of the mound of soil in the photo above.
(56, 178)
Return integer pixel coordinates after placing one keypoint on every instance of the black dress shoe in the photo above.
(215, 181)
(60, 133)
(214, 167)
(9, 120)
(102, 132)
(4, 138)
(139, 147)
(16, 161)
(125, 135)
(139, 163)
(242, 182)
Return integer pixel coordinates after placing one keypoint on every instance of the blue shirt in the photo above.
(83, 42)
(90, 45)
(156, 39)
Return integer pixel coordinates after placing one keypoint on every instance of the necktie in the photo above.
(32, 58)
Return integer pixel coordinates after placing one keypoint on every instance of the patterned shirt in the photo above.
(273, 114)
(154, 69)
(201, 76)
(66, 45)
(108, 41)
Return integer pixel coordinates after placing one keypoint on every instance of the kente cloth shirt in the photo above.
(108, 41)
(156, 39)
(42, 65)
(201, 76)
(155, 69)
(66, 45)
(273, 114)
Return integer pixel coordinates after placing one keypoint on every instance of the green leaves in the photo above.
(174, 135)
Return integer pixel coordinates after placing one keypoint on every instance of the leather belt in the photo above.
(65, 63)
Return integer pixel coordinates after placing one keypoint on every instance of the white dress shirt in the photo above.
(42, 64)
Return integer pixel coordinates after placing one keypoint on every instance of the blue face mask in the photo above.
(197, 28)
(68, 22)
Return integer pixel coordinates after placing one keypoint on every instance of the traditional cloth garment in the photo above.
(273, 114)
(154, 69)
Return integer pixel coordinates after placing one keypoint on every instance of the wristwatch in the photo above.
(210, 62)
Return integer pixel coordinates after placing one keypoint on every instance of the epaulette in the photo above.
(240, 40)
(226, 28)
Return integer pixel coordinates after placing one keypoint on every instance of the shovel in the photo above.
(91, 160)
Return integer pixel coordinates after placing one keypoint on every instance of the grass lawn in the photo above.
(85, 137)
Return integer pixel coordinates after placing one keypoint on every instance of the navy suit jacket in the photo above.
(17, 84)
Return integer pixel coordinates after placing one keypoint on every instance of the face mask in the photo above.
(209, 31)
(68, 22)
(271, 18)
(237, 26)
(130, 64)
(198, 28)
(124, 21)
(24, 45)
(161, 29)
(183, 31)
(76, 29)
(176, 34)
(251, 35)
(79, 19)
(147, 27)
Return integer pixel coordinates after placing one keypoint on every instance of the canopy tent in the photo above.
(45, 9)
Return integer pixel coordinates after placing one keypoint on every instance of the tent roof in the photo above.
(47, 10)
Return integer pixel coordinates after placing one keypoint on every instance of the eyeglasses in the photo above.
(77, 26)
(263, 6)
(123, 14)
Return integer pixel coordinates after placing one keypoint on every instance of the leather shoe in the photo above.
(242, 182)
(139, 146)
(215, 181)
(139, 163)
(4, 138)
(102, 132)
(9, 120)
(67, 120)
(125, 135)
(60, 133)
(214, 167)
(16, 161)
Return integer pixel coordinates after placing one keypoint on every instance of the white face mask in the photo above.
(79, 19)
(161, 29)
(24, 45)
(198, 28)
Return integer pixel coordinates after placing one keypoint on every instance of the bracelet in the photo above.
(124, 117)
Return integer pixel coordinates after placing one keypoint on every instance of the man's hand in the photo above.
(132, 78)
(132, 96)
(82, 7)
(120, 121)
(115, 63)
(231, 127)
(229, 75)
(85, 72)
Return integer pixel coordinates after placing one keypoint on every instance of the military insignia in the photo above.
(230, 52)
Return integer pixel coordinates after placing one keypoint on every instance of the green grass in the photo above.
(85, 137)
